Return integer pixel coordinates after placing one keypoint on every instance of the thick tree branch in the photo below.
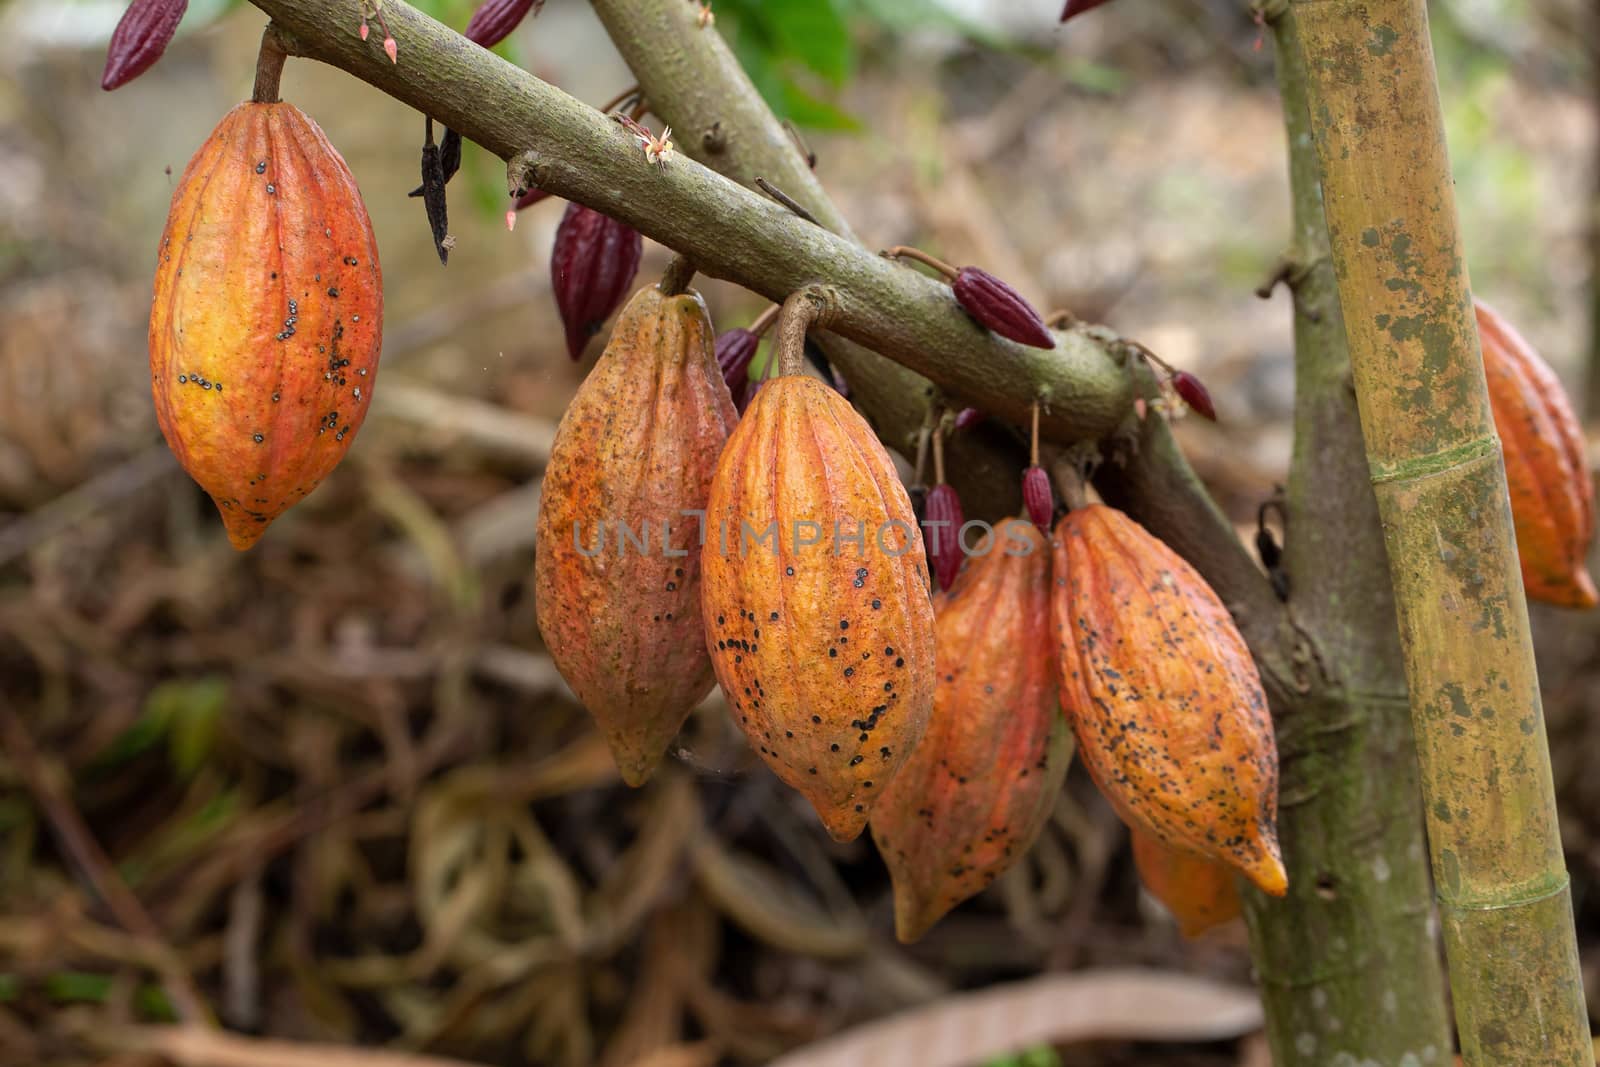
(560, 144)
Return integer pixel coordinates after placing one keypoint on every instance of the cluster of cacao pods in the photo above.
(1547, 471)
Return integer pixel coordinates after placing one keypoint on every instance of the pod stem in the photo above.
(938, 454)
(764, 321)
(1033, 438)
(676, 278)
(907, 252)
(803, 309)
(269, 66)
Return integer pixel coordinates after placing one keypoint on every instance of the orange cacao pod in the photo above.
(816, 602)
(977, 790)
(1200, 893)
(268, 315)
(1164, 698)
(1552, 497)
(617, 575)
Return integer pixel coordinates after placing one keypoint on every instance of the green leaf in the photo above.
(814, 33)
(814, 112)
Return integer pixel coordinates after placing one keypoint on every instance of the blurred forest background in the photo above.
(350, 797)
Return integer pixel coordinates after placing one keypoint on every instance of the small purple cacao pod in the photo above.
(746, 398)
(139, 39)
(591, 270)
(530, 198)
(735, 349)
(1078, 7)
(1194, 393)
(967, 418)
(1037, 497)
(1000, 308)
(942, 533)
(495, 19)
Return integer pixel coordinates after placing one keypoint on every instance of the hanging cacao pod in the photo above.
(267, 319)
(816, 602)
(1200, 893)
(592, 265)
(494, 20)
(1000, 308)
(141, 37)
(735, 349)
(1552, 496)
(1037, 496)
(1165, 700)
(632, 462)
(944, 520)
(982, 783)
(1193, 392)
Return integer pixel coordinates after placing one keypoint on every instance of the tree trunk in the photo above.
(1347, 961)
(1436, 467)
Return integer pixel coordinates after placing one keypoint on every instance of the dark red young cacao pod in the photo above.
(967, 418)
(495, 19)
(1000, 308)
(943, 525)
(591, 270)
(1194, 393)
(1078, 7)
(1038, 498)
(743, 400)
(530, 198)
(735, 349)
(139, 39)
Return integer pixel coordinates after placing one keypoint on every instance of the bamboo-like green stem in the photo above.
(1435, 464)
(1348, 963)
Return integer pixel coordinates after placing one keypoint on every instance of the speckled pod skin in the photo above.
(1200, 893)
(825, 652)
(268, 315)
(1164, 698)
(976, 791)
(637, 446)
(1552, 496)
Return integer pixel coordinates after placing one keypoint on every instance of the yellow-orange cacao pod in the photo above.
(816, 602)
(617, 576)
(979, 787)
(1200, 893)
(1552, 497)
(268, 315)
(1164, 698)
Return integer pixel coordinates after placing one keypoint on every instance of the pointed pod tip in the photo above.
(1266, 870)
(243, 531)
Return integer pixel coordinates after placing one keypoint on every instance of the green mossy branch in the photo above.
(560, 144)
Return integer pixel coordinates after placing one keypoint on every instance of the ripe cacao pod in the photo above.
(267, 319)
(1000, 308)
(1552, 496)
(816, 603)
(633, 457)
(592, 265)
(979, 787)
(1200, 893)
(1165, 700)
(141, 36)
